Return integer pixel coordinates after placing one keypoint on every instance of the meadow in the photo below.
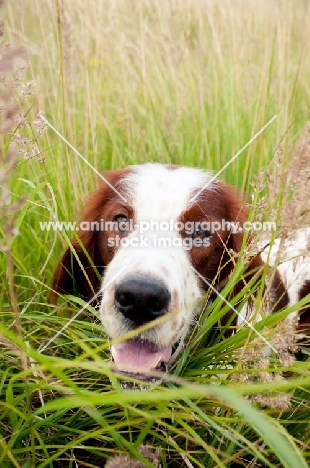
(125, 82)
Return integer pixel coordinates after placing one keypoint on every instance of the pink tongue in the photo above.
(138, 356)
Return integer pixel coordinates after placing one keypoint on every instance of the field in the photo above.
(124, 82)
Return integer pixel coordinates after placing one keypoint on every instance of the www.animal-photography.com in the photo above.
(154, 233)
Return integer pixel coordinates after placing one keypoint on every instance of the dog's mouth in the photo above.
(137, 358)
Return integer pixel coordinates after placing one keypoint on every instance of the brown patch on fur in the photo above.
(279, 295)
(304, 317)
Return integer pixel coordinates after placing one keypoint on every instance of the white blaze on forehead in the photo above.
(161, 193)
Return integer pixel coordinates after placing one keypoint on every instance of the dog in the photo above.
(167, 236)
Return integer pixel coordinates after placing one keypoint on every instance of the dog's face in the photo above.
(158, 226)
(157, 241)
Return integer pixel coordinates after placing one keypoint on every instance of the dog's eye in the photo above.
(202, 233)
(120, 223)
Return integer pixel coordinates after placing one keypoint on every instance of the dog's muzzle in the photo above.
(140, 300)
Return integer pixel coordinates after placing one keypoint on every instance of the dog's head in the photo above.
(153, 240)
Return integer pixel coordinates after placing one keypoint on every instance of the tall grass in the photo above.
(187, 82)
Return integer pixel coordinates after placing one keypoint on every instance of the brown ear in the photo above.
(76, 272)
(81, 267)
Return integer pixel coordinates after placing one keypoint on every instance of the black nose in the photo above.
(141, 300)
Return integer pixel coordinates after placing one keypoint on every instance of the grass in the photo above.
(129, 82)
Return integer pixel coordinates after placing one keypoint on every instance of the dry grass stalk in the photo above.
(291, 182)
(12, 68)
(285, 340)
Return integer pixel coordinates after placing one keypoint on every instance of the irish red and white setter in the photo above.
(154, 238)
